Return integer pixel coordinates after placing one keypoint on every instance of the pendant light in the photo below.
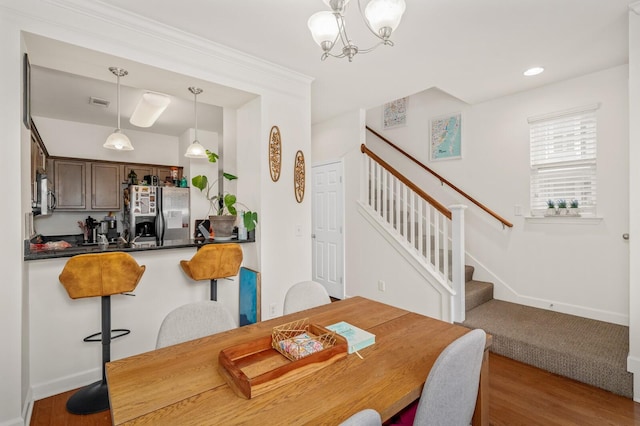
(118, 140)
(195, 150)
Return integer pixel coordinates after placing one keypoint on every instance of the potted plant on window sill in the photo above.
(551, 208)
(222, 207)
(573, 208)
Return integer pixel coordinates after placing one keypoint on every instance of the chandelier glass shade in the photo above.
(328, 28)
(195, 150)
(118, 140)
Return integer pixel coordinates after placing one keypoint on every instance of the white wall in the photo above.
(368, 257)
(285, 99)
(578, 268)
(634, 198)
(282, 264)
(81, 140)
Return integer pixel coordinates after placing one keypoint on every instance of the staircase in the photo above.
(586, 350)
(431, 237)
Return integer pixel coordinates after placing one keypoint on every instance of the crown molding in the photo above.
(635, 7)
(101, 10)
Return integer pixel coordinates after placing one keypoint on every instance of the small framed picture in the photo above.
(26, 92)
(445, 137)
(394, 114)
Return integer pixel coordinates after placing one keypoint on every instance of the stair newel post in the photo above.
(457, 261)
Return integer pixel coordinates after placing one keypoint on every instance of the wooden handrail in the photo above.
(442, 180)
(442, 209)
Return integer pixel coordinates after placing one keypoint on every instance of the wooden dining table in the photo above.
(182, 384)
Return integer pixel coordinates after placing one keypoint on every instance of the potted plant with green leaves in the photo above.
(223, 206)
(573, 208)
(551, 208)
(562, 206)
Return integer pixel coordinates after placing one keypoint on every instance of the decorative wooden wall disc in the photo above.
(275, 153)
(298, 176)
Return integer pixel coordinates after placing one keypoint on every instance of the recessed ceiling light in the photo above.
(533, 71)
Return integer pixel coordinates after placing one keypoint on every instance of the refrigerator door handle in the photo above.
(160, 218)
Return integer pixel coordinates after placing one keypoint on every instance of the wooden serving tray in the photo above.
(254, 367)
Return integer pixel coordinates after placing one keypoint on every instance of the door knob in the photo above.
(625, 236)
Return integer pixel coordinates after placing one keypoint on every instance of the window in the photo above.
(563, 159)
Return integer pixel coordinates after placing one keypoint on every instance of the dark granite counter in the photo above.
(75, 250)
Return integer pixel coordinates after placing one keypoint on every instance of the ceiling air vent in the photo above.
(99, 102)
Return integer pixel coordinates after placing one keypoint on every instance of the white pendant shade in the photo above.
(384, 13)
(323, 27)
(149, 108)
(118, 141)
(196, 150)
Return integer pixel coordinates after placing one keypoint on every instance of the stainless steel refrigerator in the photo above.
(172, 223)
(158, 215)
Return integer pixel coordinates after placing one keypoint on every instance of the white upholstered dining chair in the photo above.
(451, 389)
(194, 320)
(305, 295)
(367, 417)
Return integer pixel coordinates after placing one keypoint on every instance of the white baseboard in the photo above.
(504, 292)
(64, 384)
(633, 366)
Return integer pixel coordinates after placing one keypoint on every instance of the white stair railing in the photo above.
(432, 232)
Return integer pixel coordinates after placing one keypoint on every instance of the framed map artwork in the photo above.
(394, 113)
(445, 137)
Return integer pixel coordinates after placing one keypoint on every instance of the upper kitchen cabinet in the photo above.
(39, 158)
(87, 185)
(106, 181)
(70, 179)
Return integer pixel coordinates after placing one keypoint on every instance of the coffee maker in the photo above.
(142, 211)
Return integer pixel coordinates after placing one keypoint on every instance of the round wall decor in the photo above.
(275, 153)
(298, 176)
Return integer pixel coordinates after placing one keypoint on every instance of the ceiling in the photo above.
(475, 50)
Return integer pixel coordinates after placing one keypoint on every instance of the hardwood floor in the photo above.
(519, 395)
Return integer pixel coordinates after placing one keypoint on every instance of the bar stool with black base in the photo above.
(93, 275)
(214, 261)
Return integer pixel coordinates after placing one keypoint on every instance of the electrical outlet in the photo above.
(381, 285)
(272, 309)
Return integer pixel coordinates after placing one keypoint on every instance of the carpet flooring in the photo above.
(590, 351)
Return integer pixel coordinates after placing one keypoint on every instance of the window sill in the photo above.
(581, 220)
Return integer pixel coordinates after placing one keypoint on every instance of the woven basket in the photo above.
(298, 339)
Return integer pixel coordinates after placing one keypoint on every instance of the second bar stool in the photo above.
(214, 261)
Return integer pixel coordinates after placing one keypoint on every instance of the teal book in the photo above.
(356, 337)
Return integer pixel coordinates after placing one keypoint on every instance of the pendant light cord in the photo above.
(118, 98)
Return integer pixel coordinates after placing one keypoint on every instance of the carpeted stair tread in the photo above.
(477, 293)
(468, 273)
(590, 351)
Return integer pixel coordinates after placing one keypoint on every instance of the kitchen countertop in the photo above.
(75, 250)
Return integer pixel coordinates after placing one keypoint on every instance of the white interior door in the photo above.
(327, 222)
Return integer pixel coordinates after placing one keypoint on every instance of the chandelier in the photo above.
(382, 17)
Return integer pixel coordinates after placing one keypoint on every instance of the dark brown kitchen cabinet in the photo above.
(70, 184)
(106, 181)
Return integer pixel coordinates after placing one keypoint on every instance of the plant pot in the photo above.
(222, 225)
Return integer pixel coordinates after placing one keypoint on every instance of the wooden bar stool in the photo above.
(214, 261)
(93, 275)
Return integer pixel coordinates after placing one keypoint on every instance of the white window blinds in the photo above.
(563, 159)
